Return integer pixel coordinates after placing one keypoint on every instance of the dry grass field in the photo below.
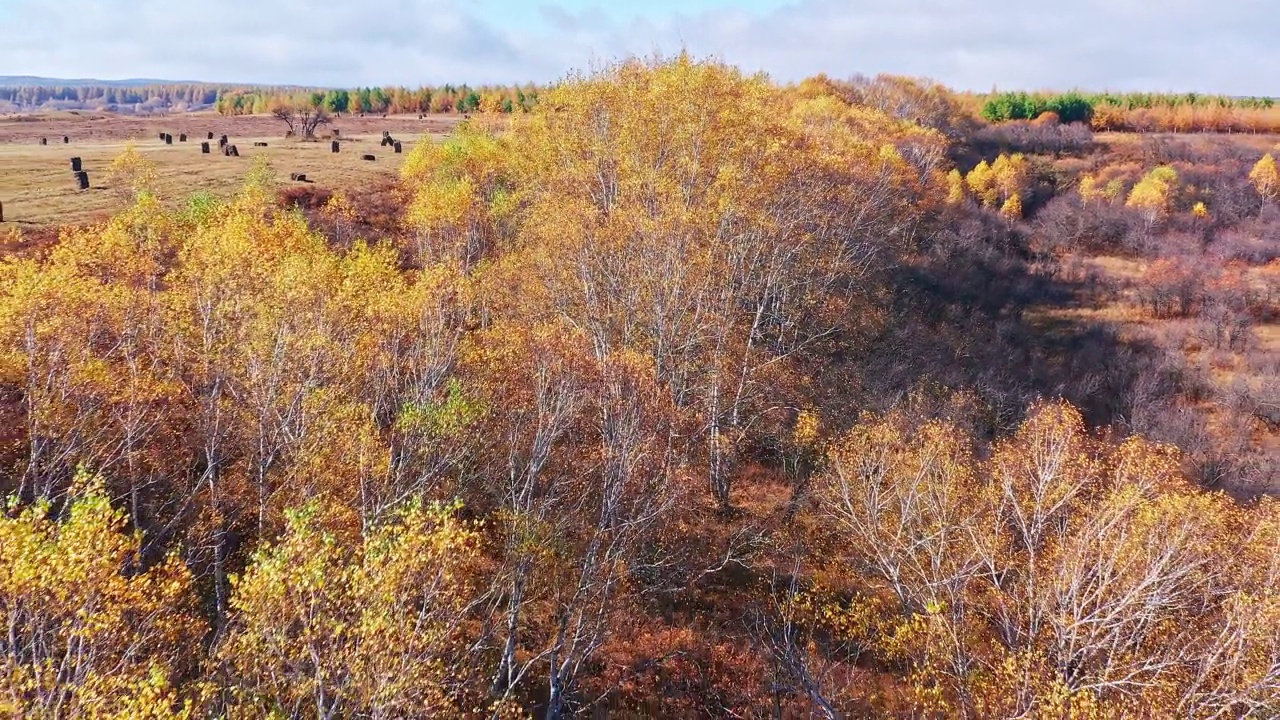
(38, 189)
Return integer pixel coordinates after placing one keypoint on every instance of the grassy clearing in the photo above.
(39, 190)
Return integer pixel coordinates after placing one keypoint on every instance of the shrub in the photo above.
(1033, 138)
(304, 197)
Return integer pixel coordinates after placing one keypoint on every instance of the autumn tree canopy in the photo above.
(592, 431)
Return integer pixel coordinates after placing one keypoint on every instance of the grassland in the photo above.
(38, 189)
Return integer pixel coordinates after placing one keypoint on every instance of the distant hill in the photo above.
(17, 81)
(133, 95)
(33, 81)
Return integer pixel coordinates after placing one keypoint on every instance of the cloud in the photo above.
(1194, 45)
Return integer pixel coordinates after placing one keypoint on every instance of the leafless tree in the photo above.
(301, 117)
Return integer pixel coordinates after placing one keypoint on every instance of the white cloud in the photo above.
(1224, 46)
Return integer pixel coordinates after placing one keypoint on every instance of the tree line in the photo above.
(1138, 112)
(247, 100)
(399, 100)
(94, 96)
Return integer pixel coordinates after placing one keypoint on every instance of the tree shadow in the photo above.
(978, 312)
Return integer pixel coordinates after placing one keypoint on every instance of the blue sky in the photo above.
(1226, 46)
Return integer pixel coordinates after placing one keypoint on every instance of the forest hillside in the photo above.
(678, 393)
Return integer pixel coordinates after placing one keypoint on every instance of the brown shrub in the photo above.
(304, 197)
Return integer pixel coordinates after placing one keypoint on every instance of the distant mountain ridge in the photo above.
(14, 81)
(34, 81)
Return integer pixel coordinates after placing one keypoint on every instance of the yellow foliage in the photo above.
(995, 183)
(982, 181)
(131, 174)
(1089, 190)
(1266, 177)
(1047, 580)
(955, 188)
(1153, 194)
(462, 200)
(805, 434)
(1012, 173)
(1012, 208)
(82, 637)
(321, 621)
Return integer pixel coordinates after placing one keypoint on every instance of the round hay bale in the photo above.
(204, 148)
(210, 136)
(368, 157)
(334, 146)
(76, 165)
(82, 180)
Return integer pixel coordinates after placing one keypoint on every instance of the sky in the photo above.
(1219, 46)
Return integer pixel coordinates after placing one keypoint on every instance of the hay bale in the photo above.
(259, 144)
(182, 137)
(66, 140)
(398, 147)
(368, 157)
(235, 151)
(337, 133)
(302, 177)
(204, 148)
(161, 137)
(210, 136)
(44, 141)
(76, 165)
(168, 139)
(82, 180)
(334, 146)
(222, 141)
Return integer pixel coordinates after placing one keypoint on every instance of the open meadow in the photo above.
(38, 189)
